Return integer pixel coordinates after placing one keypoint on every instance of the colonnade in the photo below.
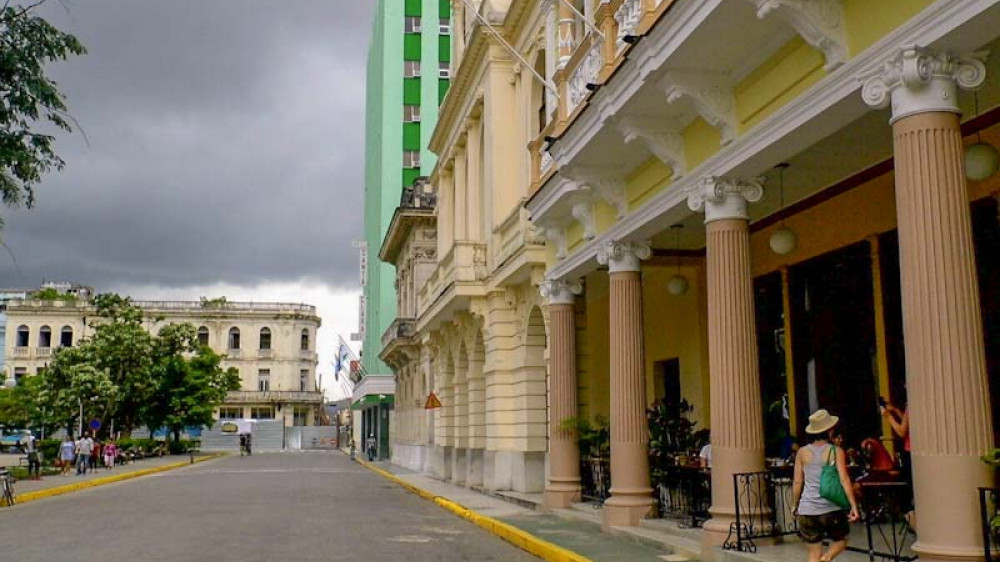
(946, 374)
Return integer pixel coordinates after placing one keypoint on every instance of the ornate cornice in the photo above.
(819, 22)
(711, 96)
(662, 141)
(918, 80)
(559, 291)
(623, 256)
(724, 198)
(608, 184)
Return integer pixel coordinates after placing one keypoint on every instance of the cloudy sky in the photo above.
(221, 154)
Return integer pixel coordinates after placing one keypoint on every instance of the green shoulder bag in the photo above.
(830, 487)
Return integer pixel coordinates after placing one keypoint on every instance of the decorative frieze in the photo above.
(820, 23)
(724, 198)
(919, 80)
(623, 256)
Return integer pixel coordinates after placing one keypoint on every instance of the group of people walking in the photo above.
(85, 454)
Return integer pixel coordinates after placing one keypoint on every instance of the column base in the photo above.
(561, 496)
(441, 462)
(459, 467)
(475, 468)
(514, 470)
(625, 511)
(948, 526)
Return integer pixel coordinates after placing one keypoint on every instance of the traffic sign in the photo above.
(432, 402)
(95, 424)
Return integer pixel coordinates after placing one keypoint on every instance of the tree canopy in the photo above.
(29, 99)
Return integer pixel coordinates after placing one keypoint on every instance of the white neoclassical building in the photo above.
(272, 345)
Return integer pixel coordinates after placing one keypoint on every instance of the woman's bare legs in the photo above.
(834, 551)
(815, 551)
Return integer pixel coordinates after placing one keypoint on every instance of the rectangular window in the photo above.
(411, 113)
(22, 337)
(262, 412)
(66, 337)
(411, 91)
(264, 380)
(444, 26)
(444, 70)
(411, 69)
(411, 158)
(19, 373)
(411, 24)
(230, 413)
(300, 415)
(304, 380)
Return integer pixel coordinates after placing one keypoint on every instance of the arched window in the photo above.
(305, 339)
(66, 337)
(234, 338)
(203, 336)
(45, 337)
(265, 338)
(22, 336)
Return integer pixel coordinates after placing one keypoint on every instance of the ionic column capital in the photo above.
(724, 198)
(560, 291)
(623, 256)
(918, 80)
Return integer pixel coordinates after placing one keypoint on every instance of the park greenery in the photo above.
(30, 102)
(124, 376)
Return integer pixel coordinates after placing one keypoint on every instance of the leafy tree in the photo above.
(52, 294)
(190, 388)
(72, 380)
(28, 96)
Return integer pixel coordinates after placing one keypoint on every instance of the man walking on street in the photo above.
(34, 463)
(84, 448)
(371, 447)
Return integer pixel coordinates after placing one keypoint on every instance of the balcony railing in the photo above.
(23, 352)
(234, 353)
(273, 397)
(401, 328)
(43, 352)
(264, 353)
(466, 261)
(176, 306)
(584, 68)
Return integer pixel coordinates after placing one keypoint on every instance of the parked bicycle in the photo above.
(7, 486)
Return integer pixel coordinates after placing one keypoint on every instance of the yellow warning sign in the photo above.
(432, 402)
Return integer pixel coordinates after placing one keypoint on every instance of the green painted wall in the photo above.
(387, 137)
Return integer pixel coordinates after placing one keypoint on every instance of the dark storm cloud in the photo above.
(225, 145)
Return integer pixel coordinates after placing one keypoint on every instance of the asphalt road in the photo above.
(269, 507)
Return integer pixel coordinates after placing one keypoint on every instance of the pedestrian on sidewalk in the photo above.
(243, 444)
(371, 447)
(66, 455)
(34, 462)
(95, 453)
(110, 451)
(84, 448)
(820, 519)
(249, 445)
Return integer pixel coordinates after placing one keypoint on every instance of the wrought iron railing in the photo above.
(763, 509)
(685, 494)
(595, 479)
(884, 507)
(989, 516)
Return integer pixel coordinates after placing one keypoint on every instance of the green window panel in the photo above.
(409, 175)
(413, 7)
(442, 89)
(411, 136)
(444, 48)
(411, 46)
(411, 91)
(445, 9)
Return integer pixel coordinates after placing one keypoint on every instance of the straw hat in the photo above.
(820, 422)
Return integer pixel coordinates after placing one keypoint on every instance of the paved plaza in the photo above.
(281, 506)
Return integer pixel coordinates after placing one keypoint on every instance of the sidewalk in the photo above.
(29, 490)
(577, 530)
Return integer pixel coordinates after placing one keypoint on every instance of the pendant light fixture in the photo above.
(677, 284)
(981, 158)
(783, 240)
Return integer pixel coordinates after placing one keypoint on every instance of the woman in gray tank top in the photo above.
(818, 517)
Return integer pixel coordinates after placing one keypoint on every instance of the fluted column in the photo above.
(631, 494)
(562, 487)
(460, 422)
(950, 425)
(737, 420)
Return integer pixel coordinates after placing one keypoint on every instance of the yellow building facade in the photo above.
(760, 207)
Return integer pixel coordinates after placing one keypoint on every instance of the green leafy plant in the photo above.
(672, 434)
(992, 458)
(218, 302)
(594, 438)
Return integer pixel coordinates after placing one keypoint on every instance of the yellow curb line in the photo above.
(60, 490)
(519, 538)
